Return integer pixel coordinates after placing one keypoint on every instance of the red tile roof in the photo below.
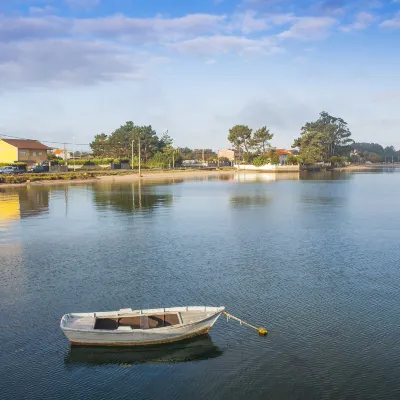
(26, 144)
(283, 152)
(58, 151)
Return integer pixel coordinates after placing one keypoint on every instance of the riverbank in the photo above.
(120, 176)
(366, 167)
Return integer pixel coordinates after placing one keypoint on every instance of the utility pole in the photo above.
(66, 156)
(139, 158)
(73, 150)
(173, 158)
(203, 156)
(132, 155)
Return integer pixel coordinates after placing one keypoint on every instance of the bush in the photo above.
(292, 159)
(259, 161)
(337, 160)
(159, 160)
(275, 160)
(248, 158)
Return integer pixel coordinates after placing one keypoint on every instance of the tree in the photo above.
(322, 139)
(240, 137)
(260, 140)
(337, 132)
(119, 143)
(166, 140)
(100, 146)
(312, 148)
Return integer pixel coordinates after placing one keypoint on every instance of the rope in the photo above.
(261, 331)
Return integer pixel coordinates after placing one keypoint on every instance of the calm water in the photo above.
(315, 260)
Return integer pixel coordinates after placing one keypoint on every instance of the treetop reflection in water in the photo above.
(126, 197)
(201, 348)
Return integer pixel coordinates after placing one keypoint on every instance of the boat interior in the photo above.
(137, 322)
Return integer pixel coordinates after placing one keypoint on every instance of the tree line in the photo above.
(327, 139)
(155, 151)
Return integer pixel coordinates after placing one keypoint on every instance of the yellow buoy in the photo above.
(262, 331)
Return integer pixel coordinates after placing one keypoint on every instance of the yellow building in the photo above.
(18, 150)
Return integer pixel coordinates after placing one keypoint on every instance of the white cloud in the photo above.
(363, 20)
(248, 22)
(210, 61)
(19, 28)
(150, 30)
(393, 23)
(309, 28)
(204, 46)
(67, 61)
(40, 11)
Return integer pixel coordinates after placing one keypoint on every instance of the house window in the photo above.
(22, 153)
(40, 153)
(34, 153)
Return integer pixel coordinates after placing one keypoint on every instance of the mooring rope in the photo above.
(261, 331)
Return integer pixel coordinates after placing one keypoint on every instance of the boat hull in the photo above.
(140, 337)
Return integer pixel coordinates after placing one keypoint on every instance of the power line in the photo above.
(45, 141)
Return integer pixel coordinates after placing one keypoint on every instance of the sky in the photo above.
(76, 68)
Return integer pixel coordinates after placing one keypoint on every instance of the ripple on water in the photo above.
(314, 262)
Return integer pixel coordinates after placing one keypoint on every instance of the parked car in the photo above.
(10, 170)
(40, 168)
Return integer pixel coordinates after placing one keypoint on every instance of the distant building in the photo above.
(283, 155)
(21, 150)
(230, 154)
(62, 154)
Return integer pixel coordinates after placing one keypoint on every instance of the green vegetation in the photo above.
(292, 159)
(373, 152)
(259, 161)
(22, 178)
(250, 144)
(322, 139)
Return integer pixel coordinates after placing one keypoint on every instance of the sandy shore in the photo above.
(367, 167)
(146, 176)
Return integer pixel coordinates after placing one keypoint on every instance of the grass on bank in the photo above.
(22, 178)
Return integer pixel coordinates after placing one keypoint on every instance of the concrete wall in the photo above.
(86, 167)
(269, 168)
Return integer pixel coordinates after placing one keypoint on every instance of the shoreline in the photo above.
(366, 167)
(147, 176)
(153, 176)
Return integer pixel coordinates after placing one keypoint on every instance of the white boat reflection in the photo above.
(201, 348)
(266, 176)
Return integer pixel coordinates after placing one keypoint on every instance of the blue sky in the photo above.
(74, 68)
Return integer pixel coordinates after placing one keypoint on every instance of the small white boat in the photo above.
(128, 327)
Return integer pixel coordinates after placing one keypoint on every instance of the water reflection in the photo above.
(201, 348)
(266, 176)
(249, 201)
(130, 197)
(324, 175)
(19, 203)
